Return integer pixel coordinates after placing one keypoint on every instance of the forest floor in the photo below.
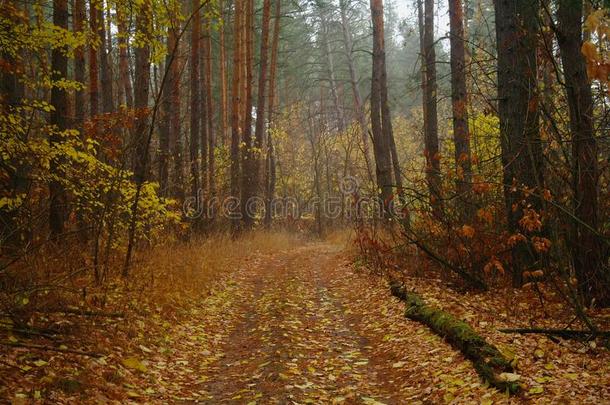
(298, 326)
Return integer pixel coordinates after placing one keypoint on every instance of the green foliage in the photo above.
(100, 190)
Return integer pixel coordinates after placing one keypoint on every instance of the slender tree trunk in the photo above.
(235, 113)
(433, 166)
(593, 279)
(141, 96)
(105, 64)
(262, 82)
(79, 65)
(381, 146)
(195, 99)
(12, 91)
(93, 66)
(459, 103)
(516, 31)
(358, 104)
(386, 120)
(270, 163)
(248, 156)
(203, 111)
(59, 100)
(165, 122)
(224, 116)
(332, 82)
(175, 119)
(125, 87)
(210, 111)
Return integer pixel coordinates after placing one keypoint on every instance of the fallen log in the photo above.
(488, 361)
(562, 333)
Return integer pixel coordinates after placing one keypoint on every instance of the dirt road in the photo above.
(303, 326)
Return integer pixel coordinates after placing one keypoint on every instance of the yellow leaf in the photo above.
(134, 364)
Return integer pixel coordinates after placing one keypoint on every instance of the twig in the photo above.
(564, 333)
(92, 313)
(52, 349)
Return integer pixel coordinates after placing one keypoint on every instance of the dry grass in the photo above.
(343, 237)
(172, 274)
(189, 270)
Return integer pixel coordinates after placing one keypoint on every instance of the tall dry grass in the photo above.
(170, 274)
(184, 271)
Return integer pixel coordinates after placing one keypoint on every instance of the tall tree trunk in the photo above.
(175, 119)
(262, 82)
(94, 85)
(270, 163)
(516, 31)
(203, 110)
(593, 278)
(141, 129)
(224, 116)
(459, 103)
(330, 64)
(195, 99)
(79, 65)
(433, 165)
(105, 64)
(248, 156)
(12, 91)
(59, 100)
(125, 87)
(80, 94)
(165, 122)
(210, 110)
(358, 104)
(381, 146)
(235, 113)
(386, 122)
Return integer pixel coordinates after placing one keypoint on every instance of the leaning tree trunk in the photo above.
(358, 104)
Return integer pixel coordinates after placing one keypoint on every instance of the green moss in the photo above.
(488, 361)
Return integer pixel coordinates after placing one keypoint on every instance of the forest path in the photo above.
(305, 327)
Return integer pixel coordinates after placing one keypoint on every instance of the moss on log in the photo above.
(488, 361)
